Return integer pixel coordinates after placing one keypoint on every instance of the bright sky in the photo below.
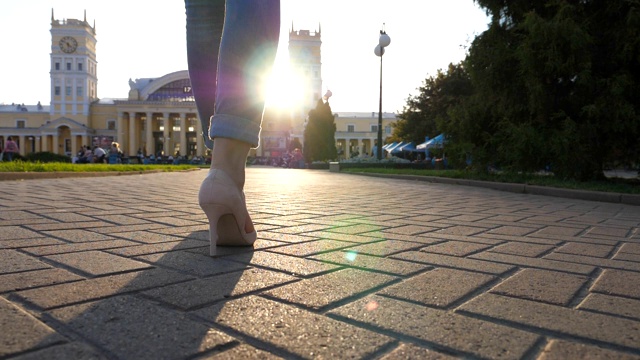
(146, 38)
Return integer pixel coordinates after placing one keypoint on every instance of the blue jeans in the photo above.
(227, 64)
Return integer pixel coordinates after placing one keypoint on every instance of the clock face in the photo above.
(68, 44)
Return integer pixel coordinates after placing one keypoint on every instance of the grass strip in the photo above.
(20, 166)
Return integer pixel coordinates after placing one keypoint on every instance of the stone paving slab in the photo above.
(344, 267)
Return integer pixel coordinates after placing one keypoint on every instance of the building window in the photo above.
(79, 66)
(57, 66)
(79, 91)
(67, 90)
(387, 130)
(56, 91)
(21, 124)
(111, 125)
(351, 128)
(69, 66)
(374, 128)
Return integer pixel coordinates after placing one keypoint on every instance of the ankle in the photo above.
(230, 156)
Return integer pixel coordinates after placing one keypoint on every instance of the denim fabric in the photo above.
(227, 64)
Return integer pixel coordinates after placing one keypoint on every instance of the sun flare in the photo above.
(284, 90)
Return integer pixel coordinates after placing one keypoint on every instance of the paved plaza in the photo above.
(345, 267)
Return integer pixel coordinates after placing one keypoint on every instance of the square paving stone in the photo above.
(312, 248)
(630, 248)
(522, 249)
(27, 243)
(97, 262)
(614, 305)
(302, 333)
(200, 292)
(386, 247)
(411, 230)
(562, 350)
(14, 261)
(96, 288)
(589, 260)
(199, 265)
(575, 248)
(326, 235)
(21, 331)
(16, 232)
(282, 237)
(79, 235)
(442, 328)
(66, 351)
(242, 351)
(618, 282)
(455, 248)
(366, 262)
(37, 278)
(146, 249)
(324, 290)
(77, 247)
(149, 237)
(289, 264)
(584, 324)
(541, 285)
(133, 328)
(461, 230)
(511, 230)
(545, 263)
(453, 262)
(439, 287)
(410, 351)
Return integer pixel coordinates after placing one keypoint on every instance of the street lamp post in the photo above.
(383, 42)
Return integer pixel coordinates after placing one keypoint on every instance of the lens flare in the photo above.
(371, 305)
(351, 256)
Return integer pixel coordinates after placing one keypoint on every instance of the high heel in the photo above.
(225, 207)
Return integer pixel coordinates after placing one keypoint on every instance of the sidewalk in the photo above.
(346, 267)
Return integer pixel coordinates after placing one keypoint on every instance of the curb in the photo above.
(610, 197)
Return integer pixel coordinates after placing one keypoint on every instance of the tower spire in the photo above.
(85, 15)
(52, 19)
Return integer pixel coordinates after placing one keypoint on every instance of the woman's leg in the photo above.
(205, 20)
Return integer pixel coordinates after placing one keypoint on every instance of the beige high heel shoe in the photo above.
(225, 207)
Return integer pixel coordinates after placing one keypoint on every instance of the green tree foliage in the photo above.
(294, 144)
(319, 135)
(426, 113)
(557, 82)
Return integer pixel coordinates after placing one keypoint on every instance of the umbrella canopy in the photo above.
(391, 148)
(406, 147)
(436, 142)
(388, 145)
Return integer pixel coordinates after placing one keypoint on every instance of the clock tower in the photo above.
(74, 80)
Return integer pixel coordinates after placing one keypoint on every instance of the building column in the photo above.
(74, 144)
(166, 141)
(183, 134)
(199, 139)
(38, 146)
(149, 134)
(120, 130)
(22, 145)
(44, 146)
(132, 135)
(347, 150)
(54, 144)
(360, 147)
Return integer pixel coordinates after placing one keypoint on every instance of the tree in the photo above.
(426, 113)
(294, 144)
(319, 135)
(557, 83)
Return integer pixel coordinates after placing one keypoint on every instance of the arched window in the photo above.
(176, 91)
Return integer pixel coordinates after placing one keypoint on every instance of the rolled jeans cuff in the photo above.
(233, 127)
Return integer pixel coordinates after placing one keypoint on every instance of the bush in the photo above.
(47, 157)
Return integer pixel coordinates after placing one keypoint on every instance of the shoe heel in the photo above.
(214, 213)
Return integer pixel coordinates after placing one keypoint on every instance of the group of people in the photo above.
(9, 150)
(99, 155)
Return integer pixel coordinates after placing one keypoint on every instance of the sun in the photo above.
(284, 89)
